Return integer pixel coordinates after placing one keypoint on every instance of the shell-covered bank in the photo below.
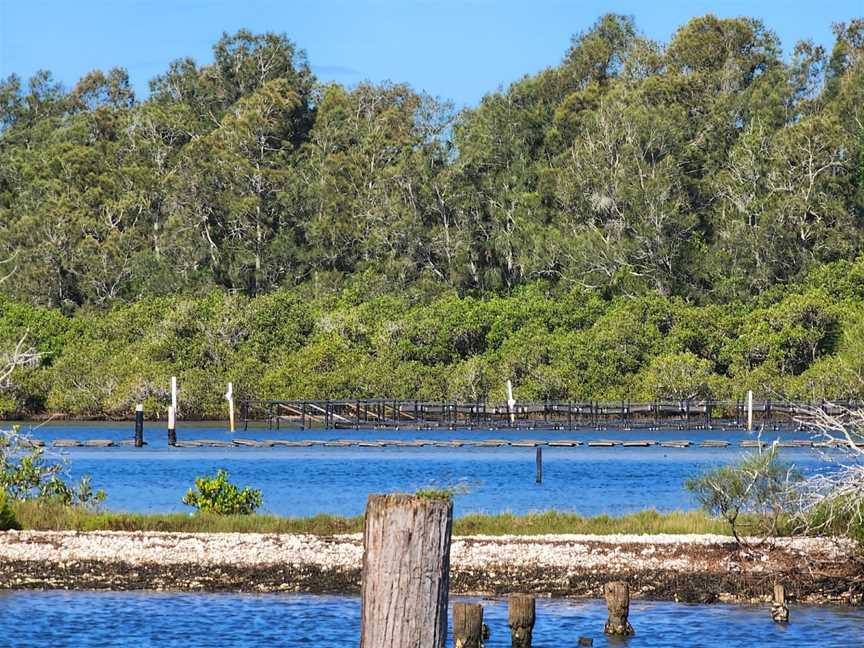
(688, 568)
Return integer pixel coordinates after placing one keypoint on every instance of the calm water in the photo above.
(85, 619)
(304, 481)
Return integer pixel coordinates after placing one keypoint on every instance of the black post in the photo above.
(539, 462)
(172, 426)
(139, 426)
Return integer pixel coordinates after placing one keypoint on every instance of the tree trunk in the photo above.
(406, 565)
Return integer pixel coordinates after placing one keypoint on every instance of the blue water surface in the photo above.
(169, 620)
(305, 481)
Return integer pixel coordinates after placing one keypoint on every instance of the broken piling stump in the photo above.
(520, 617)
(467, 625)
(618, 602)
(406, 565)
(779, 609)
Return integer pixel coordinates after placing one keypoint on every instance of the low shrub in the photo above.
(8, 521)
(755, 496)
(28, 472)
(218, 495)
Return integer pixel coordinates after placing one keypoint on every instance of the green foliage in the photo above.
(752, 496)
(666, 219)
(219, 496)
(680, 376)
(802, 342)
(27, 473)
(8, 520)
(711, 167)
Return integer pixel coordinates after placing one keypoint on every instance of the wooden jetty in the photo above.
(380, 413)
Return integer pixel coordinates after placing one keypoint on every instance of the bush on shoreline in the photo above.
(218, 496)
(8, 519)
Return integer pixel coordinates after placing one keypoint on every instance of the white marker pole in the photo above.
(511, 402)
(750, 410)
(174, 393)
(229, 396)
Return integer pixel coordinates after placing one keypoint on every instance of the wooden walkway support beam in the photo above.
(405, 578)
(520, 617)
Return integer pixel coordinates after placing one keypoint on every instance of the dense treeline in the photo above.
(642, 214)
(709, 168)
(805, 343)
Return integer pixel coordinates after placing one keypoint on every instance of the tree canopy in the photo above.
(713, 176)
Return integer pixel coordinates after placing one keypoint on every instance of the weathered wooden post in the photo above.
(618, 602)
(406, 565)
(467, 625)
(172, 426)
(139, 426)
(511, 403)
(229, 396)
(520, 618)
(538, 460)
(750, 410)
(779, 609)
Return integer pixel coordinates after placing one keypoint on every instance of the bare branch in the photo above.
(21, 356)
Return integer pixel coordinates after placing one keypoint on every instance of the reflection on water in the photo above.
(85, 619)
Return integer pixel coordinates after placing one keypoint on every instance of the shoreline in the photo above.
(685, 568)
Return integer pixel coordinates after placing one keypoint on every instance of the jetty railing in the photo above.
(381, 413)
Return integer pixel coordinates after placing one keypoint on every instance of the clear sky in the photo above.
(455, 49)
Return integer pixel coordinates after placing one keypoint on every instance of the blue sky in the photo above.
(455, 49)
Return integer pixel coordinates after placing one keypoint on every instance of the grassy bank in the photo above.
(50, 517)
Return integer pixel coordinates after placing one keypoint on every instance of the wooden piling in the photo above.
(172, 426)
(139, 425)
(406, 564)
(618, 601)
(779, 609)
(467, 625)
(229, 396)
(520, 618)
(750, 410)
(538, 460)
